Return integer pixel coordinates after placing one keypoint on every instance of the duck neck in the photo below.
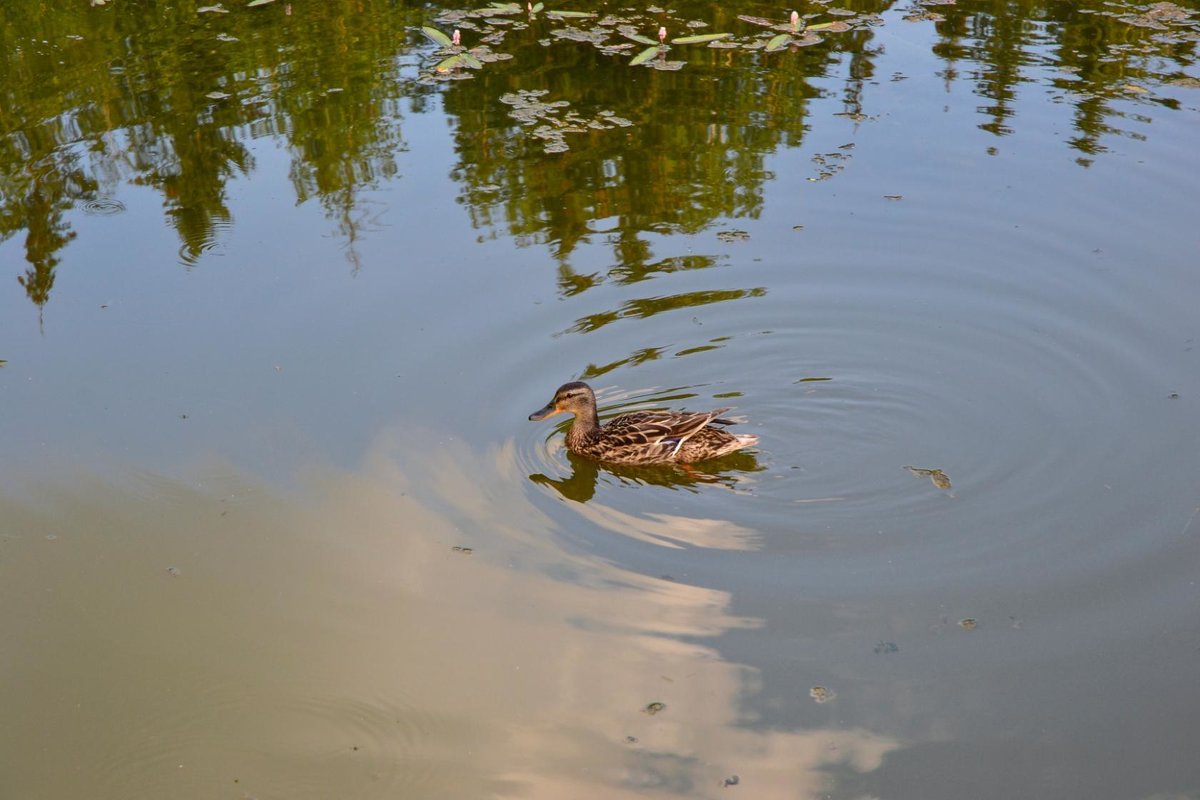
(584, 424)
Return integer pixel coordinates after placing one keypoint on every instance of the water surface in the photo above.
(281, 296)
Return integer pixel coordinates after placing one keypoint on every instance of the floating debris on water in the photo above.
(821, 694)
(829, 164)
(884, 648)
(732, 780)
(968, 623)
(939, 478)
(466, 551)
(654, 708)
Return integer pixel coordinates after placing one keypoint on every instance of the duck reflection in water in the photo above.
(580, 485)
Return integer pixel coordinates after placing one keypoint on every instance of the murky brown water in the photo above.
(273, 523)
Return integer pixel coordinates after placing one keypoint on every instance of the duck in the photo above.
(641, 437)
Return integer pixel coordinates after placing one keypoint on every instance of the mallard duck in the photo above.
(641, 437)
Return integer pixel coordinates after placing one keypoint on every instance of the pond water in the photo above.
(279, 287)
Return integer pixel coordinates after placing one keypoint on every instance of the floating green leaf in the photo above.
(437, 36)
(701, 38)
(637, 37)
(537, 7)
(644, 56)
(453, 62)
(507, 6)
(822, 26)
(779, 42)
(471, 61)
(254, 3)
(570, 14)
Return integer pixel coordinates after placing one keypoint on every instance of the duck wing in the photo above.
(655, 434)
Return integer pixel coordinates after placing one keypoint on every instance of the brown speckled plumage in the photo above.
(641, 437)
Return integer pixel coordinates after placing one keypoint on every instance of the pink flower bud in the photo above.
(456, 38)
(662, 34)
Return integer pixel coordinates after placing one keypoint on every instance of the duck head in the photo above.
(575, 398)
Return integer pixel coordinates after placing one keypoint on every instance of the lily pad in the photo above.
(763, 21)
(254, 3)
(471, 61)
(837, 26)
(437, 36)
(644, 56)
(570, 14)
(778, 42)
(701, 38)
(637, 37)
(453, 62)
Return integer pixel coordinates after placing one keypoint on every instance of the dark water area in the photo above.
(280, 285)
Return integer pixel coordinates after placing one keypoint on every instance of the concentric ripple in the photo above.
(103, 206)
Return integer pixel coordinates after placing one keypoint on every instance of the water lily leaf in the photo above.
(507, 6)
(450, 63)
(823, 26)
(644, 56)
(570, 14)
(471, 61)
(254, 3)
(437, 36)
(700, 38)
(537, 7)
(766, 23)
(637, 37)
(779, 42)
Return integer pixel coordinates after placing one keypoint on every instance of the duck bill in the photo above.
(544, 412)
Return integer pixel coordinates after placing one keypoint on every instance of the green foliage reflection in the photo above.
(167, 95)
